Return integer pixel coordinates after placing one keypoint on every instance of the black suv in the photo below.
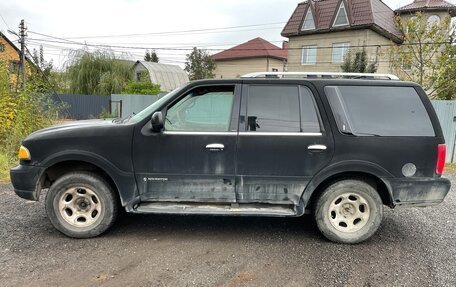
(262, 145)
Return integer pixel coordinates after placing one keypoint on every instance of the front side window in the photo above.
(379, 111)
(205, 109)
(339, 51)
(309, 55)
(281, 109)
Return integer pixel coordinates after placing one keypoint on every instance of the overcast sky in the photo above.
(89, 19)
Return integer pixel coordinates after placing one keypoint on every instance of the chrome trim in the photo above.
(200, 133)
(280, 134)
(215, 147)
(317, 147)
(321, 74)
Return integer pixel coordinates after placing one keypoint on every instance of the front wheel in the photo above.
(349, 211)
(81, 205)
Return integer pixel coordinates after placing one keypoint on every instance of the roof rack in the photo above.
(321, 75)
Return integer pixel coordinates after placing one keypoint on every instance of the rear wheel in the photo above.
(349, 211)
(81, 205)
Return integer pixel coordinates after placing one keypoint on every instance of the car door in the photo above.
(192, 159)
(282, 143)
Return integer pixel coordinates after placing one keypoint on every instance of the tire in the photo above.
(349, 211)
(81, 205)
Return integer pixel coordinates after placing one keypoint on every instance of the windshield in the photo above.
(152, 108)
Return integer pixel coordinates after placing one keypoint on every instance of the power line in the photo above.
(233, 49)
(172, 32)
(3, 19)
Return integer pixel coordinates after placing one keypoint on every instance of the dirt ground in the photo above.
(414, 247)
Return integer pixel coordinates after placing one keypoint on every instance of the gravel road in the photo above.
(414, 247)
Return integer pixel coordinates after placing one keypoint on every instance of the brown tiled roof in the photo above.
(372, 14)
(429, 5)
(255, 48)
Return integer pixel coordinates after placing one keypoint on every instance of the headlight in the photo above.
(24, 153)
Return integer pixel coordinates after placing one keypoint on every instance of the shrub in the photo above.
(22, 113)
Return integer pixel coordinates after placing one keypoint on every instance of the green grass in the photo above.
(450, 168)
(5, 165)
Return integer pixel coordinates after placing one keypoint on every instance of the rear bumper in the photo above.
(418, 191)
(26, 181)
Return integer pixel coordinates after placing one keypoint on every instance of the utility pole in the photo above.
(22, 35)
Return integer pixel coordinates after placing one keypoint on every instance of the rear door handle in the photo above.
(317, 147)
(215, 147)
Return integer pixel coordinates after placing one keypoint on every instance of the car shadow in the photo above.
(214, 226)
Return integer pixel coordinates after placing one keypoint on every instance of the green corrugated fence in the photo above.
(446, 111)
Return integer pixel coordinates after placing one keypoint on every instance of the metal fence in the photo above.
(82, 107)
(446, 111)
(124, 105)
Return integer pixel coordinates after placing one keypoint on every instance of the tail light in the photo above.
(441, 155)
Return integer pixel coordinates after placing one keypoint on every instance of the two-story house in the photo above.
(256, 55)
(321, 32)
(10, 57)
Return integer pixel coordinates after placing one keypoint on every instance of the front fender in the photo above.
(124, 180)
(344, 167)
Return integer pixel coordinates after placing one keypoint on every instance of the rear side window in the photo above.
(273, 109)
(281, 109)
(381, 111)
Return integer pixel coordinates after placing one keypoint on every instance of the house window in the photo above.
(275, 70)
(406, 65)
(339, 51)
(14, 66)
(2, 47)
(432, 20)
(341, 17)
(309, 55)
(309, 23)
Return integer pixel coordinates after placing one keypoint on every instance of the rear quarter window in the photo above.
(381, 111)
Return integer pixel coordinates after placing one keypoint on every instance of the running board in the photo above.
(216, 209)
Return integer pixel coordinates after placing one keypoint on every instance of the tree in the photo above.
(358, 63)
(41, 79)
(445, 83)
(96, 73)
(199, 65)
(151, 57)
(141, 88)
(424, 56)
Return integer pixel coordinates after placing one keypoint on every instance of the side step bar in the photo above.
(216, 209)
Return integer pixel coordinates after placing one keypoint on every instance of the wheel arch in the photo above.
(365, 171)
(63, 163)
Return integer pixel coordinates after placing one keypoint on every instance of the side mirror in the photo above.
(157, 121)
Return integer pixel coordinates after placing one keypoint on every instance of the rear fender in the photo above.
(352, 167)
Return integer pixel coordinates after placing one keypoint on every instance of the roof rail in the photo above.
(321, 75)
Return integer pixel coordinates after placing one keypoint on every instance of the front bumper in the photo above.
(26, 181)
(418, 191)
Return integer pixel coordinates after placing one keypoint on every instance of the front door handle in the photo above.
(317, 147)
(215, 147)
